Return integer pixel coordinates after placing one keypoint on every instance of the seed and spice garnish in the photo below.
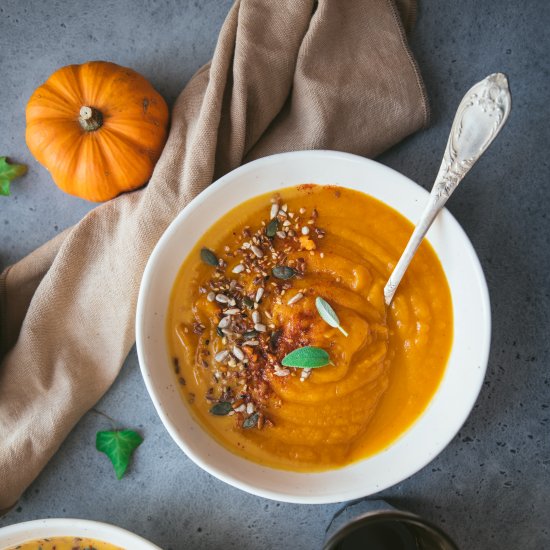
(241, 343)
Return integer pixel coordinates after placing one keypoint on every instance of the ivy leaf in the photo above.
(328, 314)
(9, 172)
(118, 445)
(308, 357)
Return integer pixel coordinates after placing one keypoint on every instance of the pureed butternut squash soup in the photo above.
(65, 543)
(263, 282)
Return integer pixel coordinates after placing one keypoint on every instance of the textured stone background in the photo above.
(490, 488)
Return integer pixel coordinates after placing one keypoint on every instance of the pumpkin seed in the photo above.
(272, 227)
(250, 334)
(251, 421)
(221, 409)
(208, 257)
(248, 302)
(283, 272)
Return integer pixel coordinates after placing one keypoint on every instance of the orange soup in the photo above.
(282, 344)
(66, 543)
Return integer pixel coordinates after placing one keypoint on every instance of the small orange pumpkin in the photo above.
(99, 128)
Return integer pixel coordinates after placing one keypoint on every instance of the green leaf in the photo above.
(283, 272)
(221, 409)
(308, 357)
(118, 445)
(328, 314)
(9, 172)
(208, 257)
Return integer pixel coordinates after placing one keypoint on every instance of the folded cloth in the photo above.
(285, 75)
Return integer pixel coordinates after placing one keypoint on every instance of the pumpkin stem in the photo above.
(90, 119)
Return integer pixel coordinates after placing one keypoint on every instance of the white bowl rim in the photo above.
(392, 478)
(27, 531)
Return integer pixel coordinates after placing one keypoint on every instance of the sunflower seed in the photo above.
(240, 408)
(256, 317)
(305, 230)
(249, 408)
(232, 311)
(251, 343)
(281, 234)
(224, 323)
(282, 372)
(295, 298)
(238, 353)
(239, 268)
(274, 210)
(211, 296)
(222, 298)
(259, 294)
(221, 356)
(259, 327)
(257, 252)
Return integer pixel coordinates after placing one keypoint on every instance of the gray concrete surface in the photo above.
(490, 488)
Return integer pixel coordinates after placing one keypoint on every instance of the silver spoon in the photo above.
(480, 116)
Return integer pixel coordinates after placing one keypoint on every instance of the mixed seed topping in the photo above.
(245, 355)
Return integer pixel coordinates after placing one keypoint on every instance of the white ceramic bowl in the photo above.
(42, 528)
(455, 396)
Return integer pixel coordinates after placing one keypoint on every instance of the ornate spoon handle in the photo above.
(480, 116)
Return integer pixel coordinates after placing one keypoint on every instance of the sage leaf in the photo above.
(328, 314)
(283, 272)
(251, 421)
(221, 409)
(308, 357)
(118, 445)
(272, 228)
(208, 257)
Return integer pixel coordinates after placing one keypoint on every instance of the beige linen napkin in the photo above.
(286, 75)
